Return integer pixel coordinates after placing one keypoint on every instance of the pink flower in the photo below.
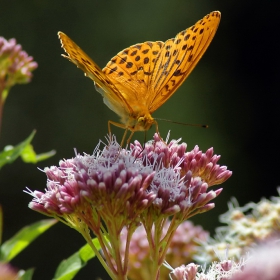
(264, 264)
(15, 68)
(182, 178)
(116, 188)
(106, 186)
(15, 64)
(185, 272)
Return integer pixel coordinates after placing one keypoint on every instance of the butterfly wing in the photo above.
(178, 57)
(112, 97)
(139, 79)
(131, 71)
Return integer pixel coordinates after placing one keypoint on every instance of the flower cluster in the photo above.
(223, 270)
(246, 226)
(185, 272)
(182, 178)
(106, 185)
(183, 246)
(15, 65)
(15, 68)
(116, 188)
(263, 264)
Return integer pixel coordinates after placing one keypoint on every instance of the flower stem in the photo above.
(104, 264)
(130, 231)
(3, 96)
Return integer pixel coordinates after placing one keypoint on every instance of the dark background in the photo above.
(234, 89)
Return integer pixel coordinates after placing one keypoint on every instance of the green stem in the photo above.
(104, 264)
(105, 246)
(114, 234)
(159, 244)
(73, 221)
(165, 242)
(130, 231)
(3, 95)
(155, 249)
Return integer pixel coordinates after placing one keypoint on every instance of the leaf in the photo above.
(23, 238)
(10, 153)
(68, 268)
(26, 274)
(25, 150)
(28, 155)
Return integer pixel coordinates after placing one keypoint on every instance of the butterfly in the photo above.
(140, 78)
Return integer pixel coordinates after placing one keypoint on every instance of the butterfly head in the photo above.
(144, 123)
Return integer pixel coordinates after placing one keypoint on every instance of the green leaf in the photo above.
(23, 238)
(28, 155)
(11, 153)
(26, 274)
(68, 268)
(25, 150)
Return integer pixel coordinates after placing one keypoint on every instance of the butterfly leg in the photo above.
(121, 126)
(130, 136)
(157, 131)
(123, 138)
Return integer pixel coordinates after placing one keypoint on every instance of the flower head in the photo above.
(245, 226)
(223, 270)
(116, 188)
(184, 272)
(264, 264)
(182, 178)
(107, 186)
(15, 66)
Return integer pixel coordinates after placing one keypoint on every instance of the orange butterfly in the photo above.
(140, 78)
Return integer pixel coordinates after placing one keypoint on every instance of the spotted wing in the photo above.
(131, 71)
(178, 57)
(112, 97)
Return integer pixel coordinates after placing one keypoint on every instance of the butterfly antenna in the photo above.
(188, 124)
